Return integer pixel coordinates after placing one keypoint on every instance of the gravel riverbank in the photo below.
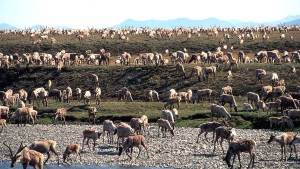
(180, 151)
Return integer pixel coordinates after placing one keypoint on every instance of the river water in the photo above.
(6, 165)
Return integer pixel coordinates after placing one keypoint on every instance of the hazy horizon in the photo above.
(101, 14)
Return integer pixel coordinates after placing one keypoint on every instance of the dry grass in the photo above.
(10, 44)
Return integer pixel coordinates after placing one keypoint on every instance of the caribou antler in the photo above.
(11, 154)
(295, 137)
(21, 147)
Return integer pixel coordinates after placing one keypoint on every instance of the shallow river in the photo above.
(6, 165)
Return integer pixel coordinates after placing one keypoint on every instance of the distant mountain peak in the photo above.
(290, 18)
(5, 26)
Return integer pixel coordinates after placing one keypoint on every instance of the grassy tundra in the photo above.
(17, 43)
(139, 79)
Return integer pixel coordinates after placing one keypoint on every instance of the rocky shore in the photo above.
(180, 151)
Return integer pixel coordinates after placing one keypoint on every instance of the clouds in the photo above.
(95, 13)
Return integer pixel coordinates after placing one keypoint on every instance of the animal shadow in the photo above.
(205, 155)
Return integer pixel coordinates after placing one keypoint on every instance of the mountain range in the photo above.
(5, 26)
(205, 23)
(182, 22)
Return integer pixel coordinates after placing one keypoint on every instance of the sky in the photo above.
(101, 14)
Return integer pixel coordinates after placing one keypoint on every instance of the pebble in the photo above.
(176, 152)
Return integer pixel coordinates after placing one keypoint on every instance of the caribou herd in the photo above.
(272, 97)
(102, 56)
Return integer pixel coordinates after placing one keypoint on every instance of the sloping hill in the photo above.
(139, 79)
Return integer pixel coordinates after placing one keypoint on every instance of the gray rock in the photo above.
(179, 151)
